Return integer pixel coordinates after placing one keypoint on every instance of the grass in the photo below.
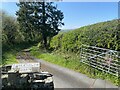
(9, 57)
(9, 52)
(65, 59)
(72, 61)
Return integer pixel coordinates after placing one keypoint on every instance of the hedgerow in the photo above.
(104, 34)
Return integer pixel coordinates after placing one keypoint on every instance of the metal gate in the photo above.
(102, 59)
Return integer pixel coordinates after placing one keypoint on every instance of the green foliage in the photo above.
(39, 18)
(56, 43)
(13, 39)
(8, 28)
(105, 35)
(72, 61)
(9, 52)
(10, 32)
(9, 58)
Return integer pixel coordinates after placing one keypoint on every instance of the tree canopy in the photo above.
(9, 28)
(41, 17)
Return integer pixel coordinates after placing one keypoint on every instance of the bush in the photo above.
(105, 35)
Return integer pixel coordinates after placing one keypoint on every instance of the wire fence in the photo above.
(102, 59)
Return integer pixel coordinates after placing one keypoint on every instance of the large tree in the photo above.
(41, 17)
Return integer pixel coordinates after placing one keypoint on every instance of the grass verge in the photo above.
(9, 52)
(72, 61)
(9, 58)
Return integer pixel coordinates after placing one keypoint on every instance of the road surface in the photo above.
(66, 78)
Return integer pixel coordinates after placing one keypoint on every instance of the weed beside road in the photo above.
(9, 58)
(9, 52)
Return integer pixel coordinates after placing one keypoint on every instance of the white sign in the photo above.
(26, 67)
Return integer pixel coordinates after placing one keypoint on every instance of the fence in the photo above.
(102, 59)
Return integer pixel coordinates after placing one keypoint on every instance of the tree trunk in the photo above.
(44, 24)
(45, 41)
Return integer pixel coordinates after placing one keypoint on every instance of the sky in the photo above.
(78, 14)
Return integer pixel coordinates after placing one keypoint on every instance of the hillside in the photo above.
(65, 48)
(104, 34)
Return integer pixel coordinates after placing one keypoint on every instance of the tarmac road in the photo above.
(66, 78)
